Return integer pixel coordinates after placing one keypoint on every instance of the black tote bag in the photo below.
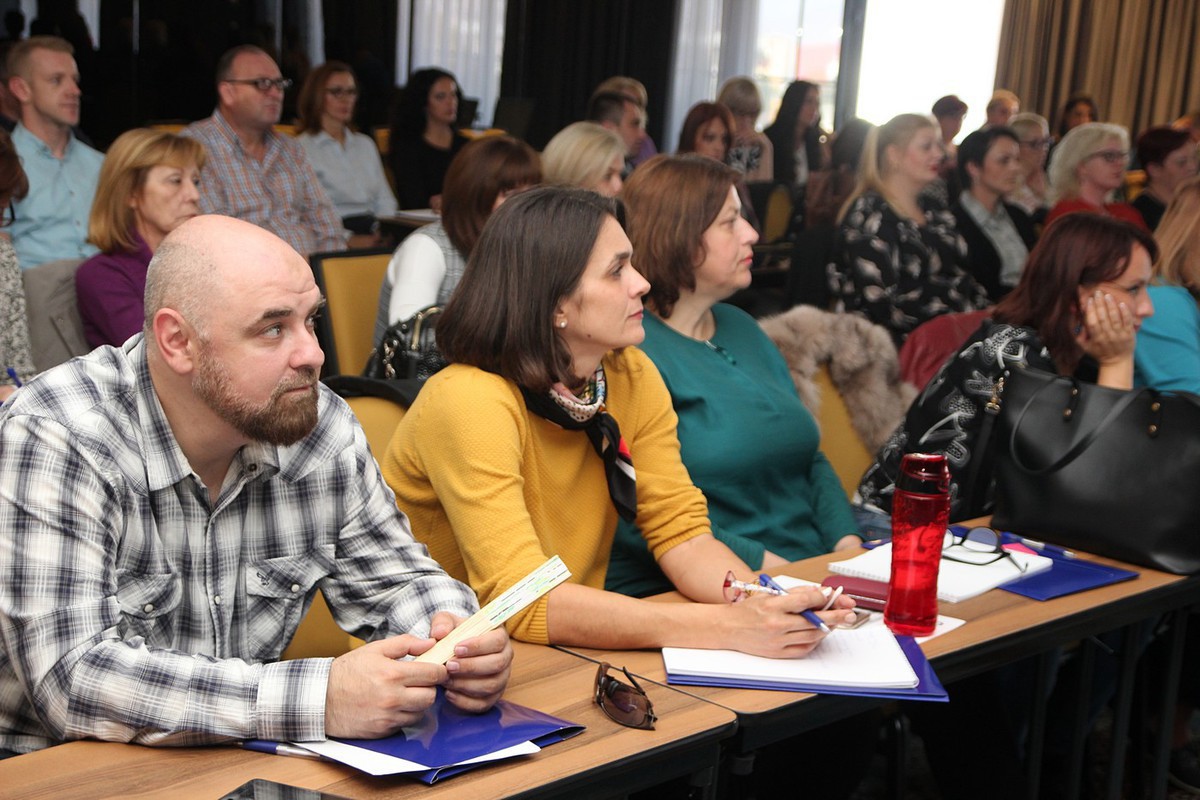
(1111, 472)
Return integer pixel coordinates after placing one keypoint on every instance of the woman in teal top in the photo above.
(745, 437)
(1168, 345)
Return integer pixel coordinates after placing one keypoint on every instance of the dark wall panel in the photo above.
(556, 51)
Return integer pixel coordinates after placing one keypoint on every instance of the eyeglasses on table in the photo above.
(979, 546)
(624, 703)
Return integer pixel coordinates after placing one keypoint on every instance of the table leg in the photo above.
(1131, 650)
(1047, 668)
(1166, 713)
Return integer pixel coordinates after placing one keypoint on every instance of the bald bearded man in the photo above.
(169, 508)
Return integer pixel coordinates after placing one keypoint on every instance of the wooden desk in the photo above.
(605, 760)
(1001, 628)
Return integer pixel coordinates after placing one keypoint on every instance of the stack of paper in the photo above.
(956, 580)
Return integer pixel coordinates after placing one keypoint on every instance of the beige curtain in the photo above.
(1140, 59)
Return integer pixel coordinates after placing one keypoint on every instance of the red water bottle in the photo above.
(920, 514)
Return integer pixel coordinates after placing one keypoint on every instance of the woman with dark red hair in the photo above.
(1076, 311)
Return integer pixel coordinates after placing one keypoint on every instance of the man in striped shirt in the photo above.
(169, 508)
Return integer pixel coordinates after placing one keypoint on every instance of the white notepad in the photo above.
(868, 657)
(956, 580)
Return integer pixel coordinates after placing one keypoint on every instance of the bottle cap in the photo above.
(924, 473)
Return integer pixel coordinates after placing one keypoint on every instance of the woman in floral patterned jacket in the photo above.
(894, 261)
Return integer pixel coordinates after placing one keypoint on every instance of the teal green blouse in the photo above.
(749, 444)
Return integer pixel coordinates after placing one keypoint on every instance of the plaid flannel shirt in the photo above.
(132, 610)
(280, 193)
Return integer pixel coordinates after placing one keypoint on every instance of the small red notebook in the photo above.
(867, 593)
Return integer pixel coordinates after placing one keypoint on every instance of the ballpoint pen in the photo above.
(16, 379)
(767, 586)
(279, 749)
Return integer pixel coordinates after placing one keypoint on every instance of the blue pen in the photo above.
(278, 749)
(1034, 544)
(12, 373)
(766, 581)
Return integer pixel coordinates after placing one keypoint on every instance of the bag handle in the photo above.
(1083, 444)
(418, 320)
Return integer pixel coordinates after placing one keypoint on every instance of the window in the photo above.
(961, 42)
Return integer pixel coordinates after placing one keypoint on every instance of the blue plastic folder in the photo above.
(446, 737)
(1067, 576)
(928, 686)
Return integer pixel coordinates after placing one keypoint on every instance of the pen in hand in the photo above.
(772, 588)
(16, 379)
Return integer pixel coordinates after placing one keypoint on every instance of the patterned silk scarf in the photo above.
(564, 409)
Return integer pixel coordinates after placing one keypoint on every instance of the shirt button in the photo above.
(295, 588)
(148, 607)
(217, 600)
(252, 468)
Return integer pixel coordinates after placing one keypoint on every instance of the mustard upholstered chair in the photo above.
(379, 418)
(350, 281)
(846, 373)
(840, 443)
(318, 635)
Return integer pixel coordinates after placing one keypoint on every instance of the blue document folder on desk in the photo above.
(1068, 576)
(447, 741)
(928, 686)
(446, 737)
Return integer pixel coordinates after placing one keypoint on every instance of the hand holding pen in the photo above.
(736, 590)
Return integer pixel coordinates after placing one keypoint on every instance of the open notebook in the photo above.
(956, 580)
(867, 658)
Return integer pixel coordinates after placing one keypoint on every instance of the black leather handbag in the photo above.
(1111, 472)
(408, 349)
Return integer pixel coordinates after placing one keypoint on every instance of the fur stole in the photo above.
(862, 365)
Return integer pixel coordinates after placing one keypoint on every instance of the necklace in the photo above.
(716, 348)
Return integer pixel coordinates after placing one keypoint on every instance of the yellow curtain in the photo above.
(1140, 59)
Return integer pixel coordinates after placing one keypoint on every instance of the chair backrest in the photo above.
(55, 327)
(773, 205)
(379, 418)
(934, 341)
(840, 443)
(382, 135)
(350, 281)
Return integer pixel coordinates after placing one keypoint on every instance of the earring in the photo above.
(562, 323)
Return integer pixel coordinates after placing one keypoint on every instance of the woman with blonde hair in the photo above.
(894, 262)
(751, 152)
(149, 186)
(1168, 345)
(1086, 170)
(586, 155)
(1033, 136)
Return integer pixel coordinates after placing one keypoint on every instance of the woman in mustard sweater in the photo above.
(526, 446)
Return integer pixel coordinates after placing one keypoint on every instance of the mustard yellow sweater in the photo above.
(494, 490)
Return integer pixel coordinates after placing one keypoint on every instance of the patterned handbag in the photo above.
(408, 349)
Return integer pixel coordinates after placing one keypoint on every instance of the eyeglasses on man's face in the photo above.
(625, 703)
(978, 546)
(264, 85)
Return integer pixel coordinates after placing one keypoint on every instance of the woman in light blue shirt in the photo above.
(347, 163)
